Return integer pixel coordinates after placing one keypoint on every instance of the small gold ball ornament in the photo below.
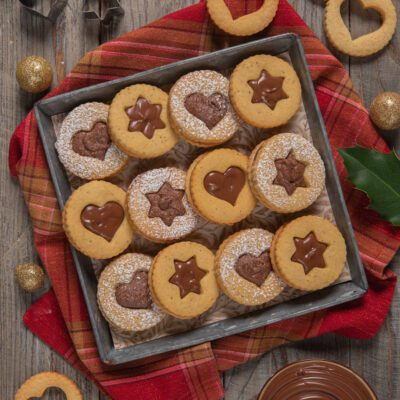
(385, 111)
(29, 276)
(34, 74)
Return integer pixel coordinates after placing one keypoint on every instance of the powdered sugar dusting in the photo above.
(254, 242)
(121, 318)
(138, 205)
(205, 82)
(83, 118)
(264, 171)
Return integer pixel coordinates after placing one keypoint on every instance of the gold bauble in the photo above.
(385, 111)
(29, 276)
(34, 74)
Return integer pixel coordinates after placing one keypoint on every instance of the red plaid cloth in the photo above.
(60, 317)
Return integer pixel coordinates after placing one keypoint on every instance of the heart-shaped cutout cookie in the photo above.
(93, 143)
(209, 109)
(103, 221)
(36, 386)
(365, 45)
(225, 186)
(254, 269)
(136, 293)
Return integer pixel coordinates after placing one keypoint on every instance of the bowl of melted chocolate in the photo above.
(316, 380)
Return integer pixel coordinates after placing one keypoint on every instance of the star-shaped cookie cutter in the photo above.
(56, 9)
(114, 10)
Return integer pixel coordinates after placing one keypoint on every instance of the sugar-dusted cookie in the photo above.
(200, 110)
(365, 45)
(95, 220)
(245, 25)
(308, 253)
(124, 297)
(138, 122)
(217, 186)
(244, 270)
(36, 386)
(182, 279)
(158, 207)
(84, 145)
(265, 91)
(286, 173)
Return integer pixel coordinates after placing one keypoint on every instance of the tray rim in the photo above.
(110, 355)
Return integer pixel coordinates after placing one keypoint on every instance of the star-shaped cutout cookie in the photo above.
(144, 117)
(309, 252)
(187, 276)
(267, 89)
(166, 203)
(290, 173)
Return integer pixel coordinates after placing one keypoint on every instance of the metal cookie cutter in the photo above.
(114, 10)
(56, 9)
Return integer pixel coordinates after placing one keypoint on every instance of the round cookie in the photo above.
(265, 91)
(286, 173)
(245, 25)
(243, 268)
(158, 207)
(138, 122)
(84, 146)
(95, 220)
(182, 280)
(217, 186)
(308, 253)
(124, 297)
(200, 110)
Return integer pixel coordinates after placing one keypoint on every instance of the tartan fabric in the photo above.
(60, 317)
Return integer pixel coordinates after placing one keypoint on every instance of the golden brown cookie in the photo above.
(182, 280)
(365, 45)
(265, 91)
(286, 173)
(245, 25)
(95, 220)
(84, 145)
(158, 207)
(308, 253)
(218, 187)
(37, 384)
(200, 110)
(138, 122)
(124, 297)
(244, 270)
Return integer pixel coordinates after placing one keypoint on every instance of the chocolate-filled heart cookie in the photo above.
(217, 186)
(244, 269)
(200, 110)
(136, 293)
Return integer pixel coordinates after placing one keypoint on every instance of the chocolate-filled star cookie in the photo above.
(265, 91)
(158, 207)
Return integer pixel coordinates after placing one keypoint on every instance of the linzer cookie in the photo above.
(182, 280)
(124, 297)
(244, 270)
(217, 186)
(308, 253)
(200, 110)
(95, 220)
(139, 123)
(286, 173)
(84, 145)
(316, 379)
(265, 91)
(158, 207)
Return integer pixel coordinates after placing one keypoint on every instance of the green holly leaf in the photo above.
(378, 175)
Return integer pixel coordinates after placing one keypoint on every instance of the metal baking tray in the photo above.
(218, 60)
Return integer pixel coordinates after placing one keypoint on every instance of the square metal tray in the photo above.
(219, 60)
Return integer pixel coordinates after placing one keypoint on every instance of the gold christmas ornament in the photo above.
(34, 74)
(29, 276)
(385, 111)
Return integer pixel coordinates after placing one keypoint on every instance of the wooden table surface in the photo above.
(22, 354)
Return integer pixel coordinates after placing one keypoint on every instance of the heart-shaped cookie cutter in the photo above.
(56, 8)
